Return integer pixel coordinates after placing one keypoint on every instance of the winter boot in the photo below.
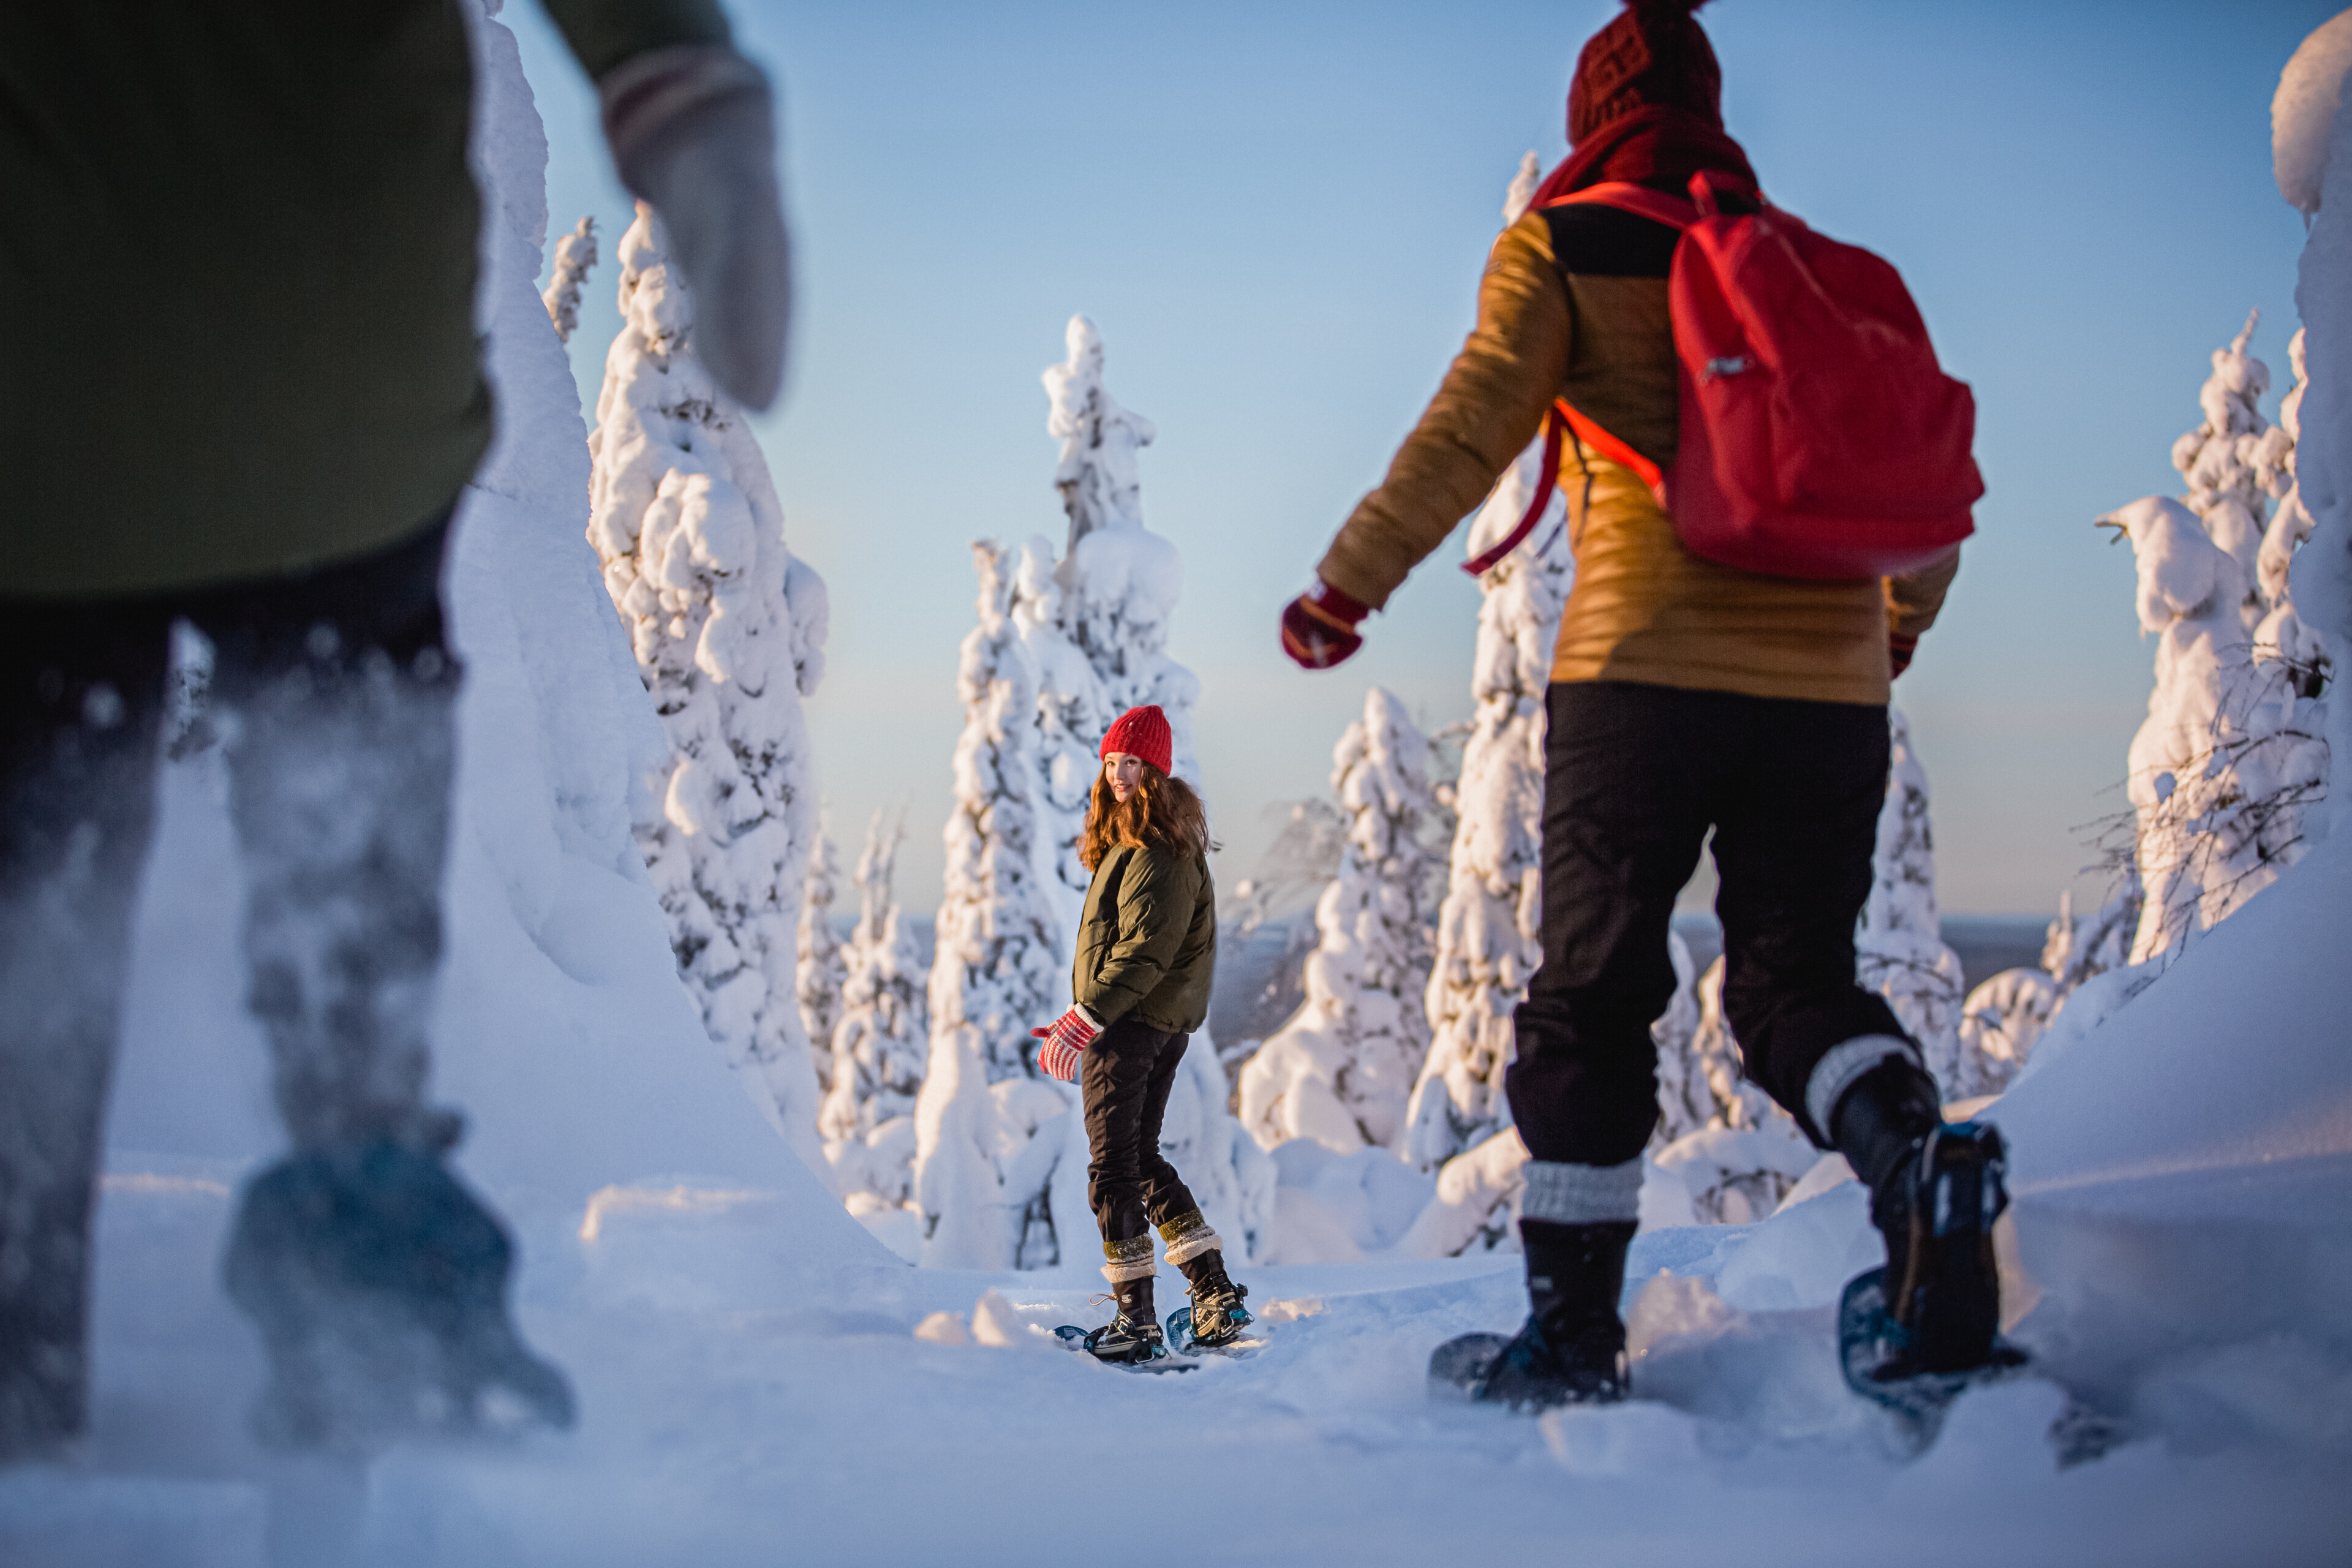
(1218, 1315)
(1935, 1191)
(1134, 1334)
(1572, 1349)
(379, 1287)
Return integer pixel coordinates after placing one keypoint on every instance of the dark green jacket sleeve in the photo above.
(1156, 900)
(603, 33)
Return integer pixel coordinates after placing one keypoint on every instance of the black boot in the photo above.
(379, 1286)
(1134, 1334)
(1935, 1191)
(1572, 1349)
(1218, 1314)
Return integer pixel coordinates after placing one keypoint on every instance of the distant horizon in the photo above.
(1276, 215)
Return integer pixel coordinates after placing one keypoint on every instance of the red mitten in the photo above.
(1318, 629)
(1899, 649)
(1071, 1033)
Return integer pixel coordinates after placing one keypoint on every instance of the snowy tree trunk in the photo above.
(1001, 960)
(575, 256)
(1341, 1070)
(728, 631)
(2321, 572)
(1899, 942)
(880, 1043)
(822, 968)
(2231, 756)
(1489, 926)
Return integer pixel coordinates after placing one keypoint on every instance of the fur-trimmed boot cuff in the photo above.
(1128, 1260)
(1188, 1236)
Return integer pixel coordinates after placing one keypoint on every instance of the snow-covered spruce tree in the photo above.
(2231, 754)
(1002, 962)
(881, 1041)
(822, 968)
(1899, 947)
(1341, 1070)
(2000, 1022)
(575, 256)
(1488, 933)
(728, 630)
(1093, 628)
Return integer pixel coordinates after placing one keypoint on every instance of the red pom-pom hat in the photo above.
(1143, 733)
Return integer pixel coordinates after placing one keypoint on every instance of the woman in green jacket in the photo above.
(1147, 952)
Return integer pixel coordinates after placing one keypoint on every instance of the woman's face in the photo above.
(1124, 774)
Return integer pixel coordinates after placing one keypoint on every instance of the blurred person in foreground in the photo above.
(240, 244)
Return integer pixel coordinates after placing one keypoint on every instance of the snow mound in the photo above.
(2304, 110)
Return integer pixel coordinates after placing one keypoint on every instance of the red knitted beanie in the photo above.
(1653, 56)
(1143, 733)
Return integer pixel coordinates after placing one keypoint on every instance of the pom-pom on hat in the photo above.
(1655, 55)
(1141, 732)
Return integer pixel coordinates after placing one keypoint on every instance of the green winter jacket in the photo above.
(237, 243)
(1147, 942)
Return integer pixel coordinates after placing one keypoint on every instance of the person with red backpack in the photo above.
(1767, 480)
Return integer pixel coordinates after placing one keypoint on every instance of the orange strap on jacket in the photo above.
(1646, 203)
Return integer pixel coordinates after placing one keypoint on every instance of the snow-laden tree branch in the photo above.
(728, 630)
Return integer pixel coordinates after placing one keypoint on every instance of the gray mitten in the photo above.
(692, 130)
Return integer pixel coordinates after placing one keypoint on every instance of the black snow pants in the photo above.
(334, 694)
(1125, 1076)
(1634, 777)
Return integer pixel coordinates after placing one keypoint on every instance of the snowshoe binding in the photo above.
(1916, 1334)
(378, 1284)
(1213, 1319)
(1126, 1344)
(1132, 1339)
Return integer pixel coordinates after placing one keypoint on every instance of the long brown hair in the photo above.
(1162, 812)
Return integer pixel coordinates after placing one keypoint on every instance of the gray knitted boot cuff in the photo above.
(1840, 1067)
(1582, 1195)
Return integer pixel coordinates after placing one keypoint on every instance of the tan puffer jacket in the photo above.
(1643, 608)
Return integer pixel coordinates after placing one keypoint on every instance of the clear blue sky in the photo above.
(1277, 212)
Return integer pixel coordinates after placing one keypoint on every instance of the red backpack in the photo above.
(1819, 438)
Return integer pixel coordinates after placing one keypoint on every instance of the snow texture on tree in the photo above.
(728, 631)
(575, 256)
(2321, 574)
(1000, 1168)
(1523, 187)
(1489, 925)
(1899, 947)
(2231, 753)
(881, 1041)
(1002, 962)
(2001, 1023)
(2303, 113)
(1342, 1072)
(822, 969)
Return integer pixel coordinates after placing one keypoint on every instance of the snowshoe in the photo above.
(379, 1287)
(1183, 1341)
(1530, 1371)
(1941, 1285)
(1124, 1349)
(1458, 1366)
(1876, 1356)
(1214, 1320)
